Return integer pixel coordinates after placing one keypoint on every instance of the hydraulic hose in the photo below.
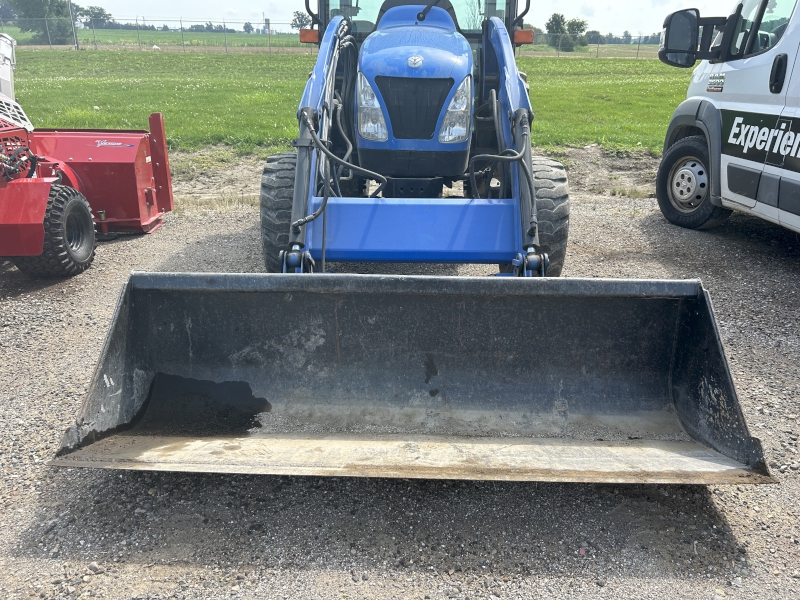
(319, 145)
(337, 109)
(506, 156)
(509, 156)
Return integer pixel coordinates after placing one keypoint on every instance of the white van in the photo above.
(734, 143)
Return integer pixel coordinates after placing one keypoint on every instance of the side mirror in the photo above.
(679, 38)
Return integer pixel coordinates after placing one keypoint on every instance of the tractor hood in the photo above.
(402, 46)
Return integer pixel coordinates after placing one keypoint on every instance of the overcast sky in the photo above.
(609, 16)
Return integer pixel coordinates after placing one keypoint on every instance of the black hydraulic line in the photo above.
(514, 156)
(327, 193)
(330, 155)
(337, 110)
(14, 163)
(500, 145)
(321, 146)
(505, 156)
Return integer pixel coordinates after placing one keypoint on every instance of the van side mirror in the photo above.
(686, 37)
(679, 38)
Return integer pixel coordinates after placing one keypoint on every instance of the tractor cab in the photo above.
(418, 86)
(468, 16)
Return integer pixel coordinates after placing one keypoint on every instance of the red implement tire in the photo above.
(69, 237)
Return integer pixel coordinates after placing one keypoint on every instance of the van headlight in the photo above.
(371, 124)
(455, 126)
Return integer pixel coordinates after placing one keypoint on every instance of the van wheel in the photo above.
(683, 186)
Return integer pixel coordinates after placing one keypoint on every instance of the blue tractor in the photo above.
(415, 146)
(519, 378)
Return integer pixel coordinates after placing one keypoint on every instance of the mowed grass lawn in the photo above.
(248, 102)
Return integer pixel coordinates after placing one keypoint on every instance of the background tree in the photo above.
(595, 37)
(576, 28)
(94, 15)
(7, 12)
(556, 24)
(32, 14)
(248, 27)
(300, 20)
(626, 37)
(558, 35)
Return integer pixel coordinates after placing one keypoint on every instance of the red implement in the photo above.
(123, 174)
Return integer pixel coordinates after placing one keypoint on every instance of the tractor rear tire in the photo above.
(552, 207)
(69, 236)
(277, 197)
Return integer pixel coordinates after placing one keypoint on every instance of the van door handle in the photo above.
(778, 73)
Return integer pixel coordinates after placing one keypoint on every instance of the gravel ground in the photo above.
(69, 533)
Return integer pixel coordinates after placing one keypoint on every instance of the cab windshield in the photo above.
(468, 14)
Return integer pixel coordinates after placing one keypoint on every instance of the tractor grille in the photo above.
(414, 105)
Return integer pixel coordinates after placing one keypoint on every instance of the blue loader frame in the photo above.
(430, 230)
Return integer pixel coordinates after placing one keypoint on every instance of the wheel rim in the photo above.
(78, 233)
(688, 184)
(75, 232)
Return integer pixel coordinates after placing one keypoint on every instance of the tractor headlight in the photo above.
(371, 124)
(455, 126)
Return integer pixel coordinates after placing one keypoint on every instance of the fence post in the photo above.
(637, 46)
(182, 44)
(597, 55)
(47, 28)
(72, 19)
(559, 45)
(94, 37)
(138, 37)
(225, 33)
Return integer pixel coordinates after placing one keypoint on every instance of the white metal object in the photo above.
(10, 110)
(7, 64)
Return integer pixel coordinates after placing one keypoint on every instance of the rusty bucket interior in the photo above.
(491, 378)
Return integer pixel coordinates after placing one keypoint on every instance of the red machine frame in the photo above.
(124, 175)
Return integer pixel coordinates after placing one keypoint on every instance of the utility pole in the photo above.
(269, 35)
(72, 19)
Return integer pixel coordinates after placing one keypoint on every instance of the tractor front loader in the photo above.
(303, 371)
(58, 186)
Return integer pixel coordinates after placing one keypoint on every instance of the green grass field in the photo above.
(248, 101)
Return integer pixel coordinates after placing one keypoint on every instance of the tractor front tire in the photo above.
(683, 186)
(277, 197)
(552, 207)
(69, 236)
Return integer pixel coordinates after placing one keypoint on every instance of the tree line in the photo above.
(567, 34)
(51, 21)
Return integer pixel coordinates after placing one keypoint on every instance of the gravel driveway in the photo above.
(114, 534)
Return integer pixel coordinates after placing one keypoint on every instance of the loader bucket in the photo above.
(429, 377)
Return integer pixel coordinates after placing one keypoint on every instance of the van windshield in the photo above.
(469, 14)
(760, 26)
